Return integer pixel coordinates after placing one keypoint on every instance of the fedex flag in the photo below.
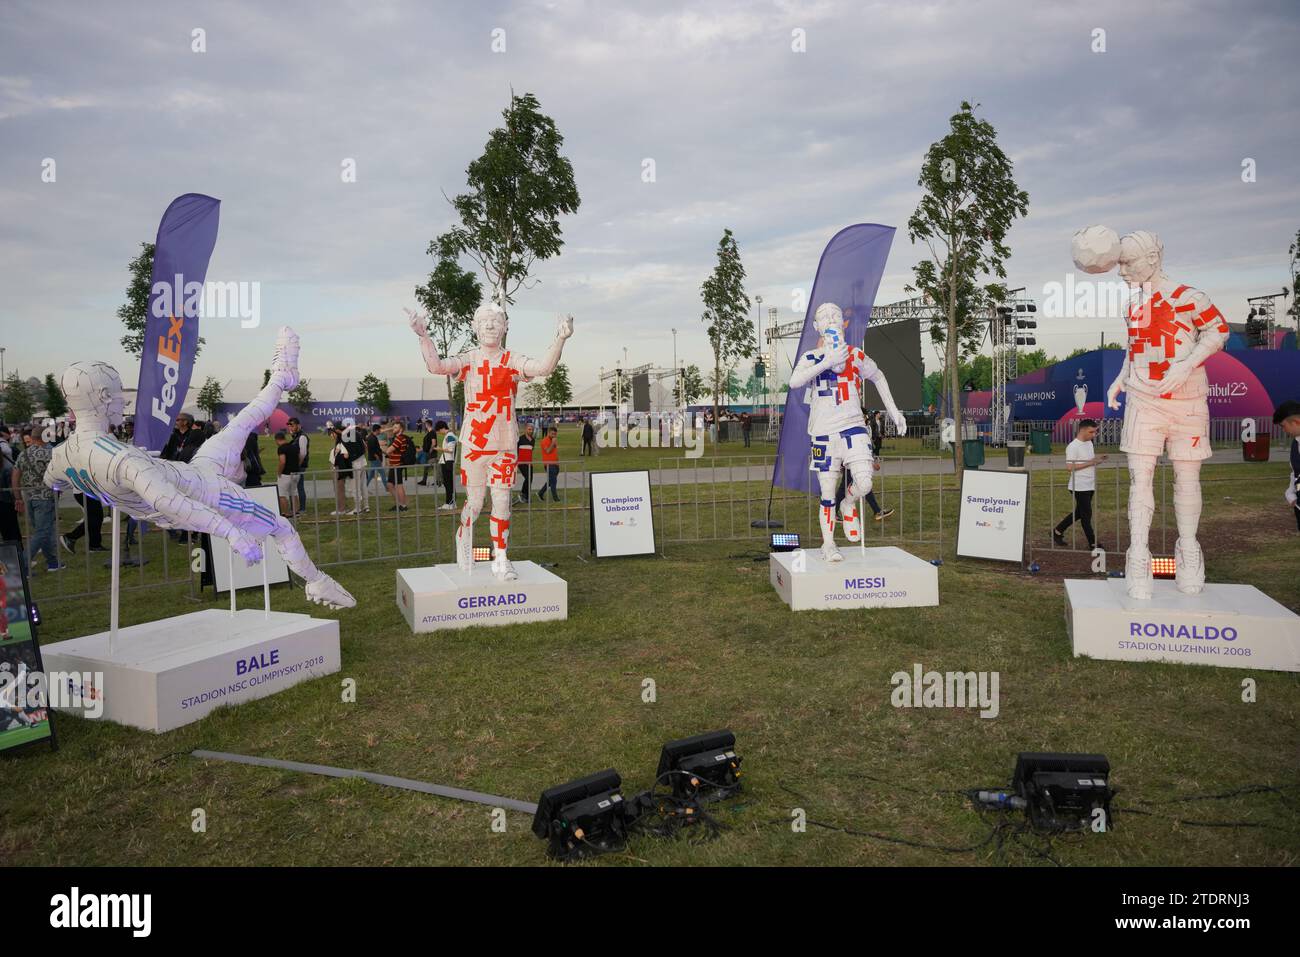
(848, 275)
(186, 237)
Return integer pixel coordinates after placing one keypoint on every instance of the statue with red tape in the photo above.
(1172, 330)
(489, 435)
(833, 373)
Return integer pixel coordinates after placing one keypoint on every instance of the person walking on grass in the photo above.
(1081, 461)
(427, 456)
(551, 459)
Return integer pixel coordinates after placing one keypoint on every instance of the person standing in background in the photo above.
(303, 441)
(1081, 461)
(35, 498)
(588, 438)
(399, 452)
(374, 457)
(524, 464)
(551, 459)
(427, 456)
(1287, 415)
(251, 459)
(446, 462)
(286, 475)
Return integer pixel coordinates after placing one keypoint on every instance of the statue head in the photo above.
(827, 317)
(93, 391)
(490, 324)
(1140, 257)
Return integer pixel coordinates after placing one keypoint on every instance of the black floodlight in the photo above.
(584, 815)
(1062, 791)
(703, 767)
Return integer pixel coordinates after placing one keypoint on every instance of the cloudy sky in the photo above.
(783, 147)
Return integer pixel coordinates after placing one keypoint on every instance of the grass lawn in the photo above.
(515, 709)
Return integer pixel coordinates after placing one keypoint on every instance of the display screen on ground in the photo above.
(24, 712)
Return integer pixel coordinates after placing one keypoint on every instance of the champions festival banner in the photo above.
(1243, 383)
(848, 275)
(318, 414)
(187, 235)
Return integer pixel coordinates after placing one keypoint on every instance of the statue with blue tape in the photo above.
(833, 373)
(202, 495)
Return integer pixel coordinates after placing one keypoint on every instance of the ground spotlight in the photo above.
(703, 767)
(583, 816)
(1063, 791)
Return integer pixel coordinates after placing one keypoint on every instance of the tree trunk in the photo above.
(717, 389)
(954, 380)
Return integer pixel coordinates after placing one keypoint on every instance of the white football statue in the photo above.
(1095, 249)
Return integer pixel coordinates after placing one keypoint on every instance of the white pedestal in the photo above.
(875, 578)
(1232, 626)
(443, 596)
(168, 673)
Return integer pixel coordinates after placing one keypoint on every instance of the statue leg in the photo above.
(1141, 507)
(827, 481)
(465, 528)
(224, 449)
(500, 519)
(1189, 563)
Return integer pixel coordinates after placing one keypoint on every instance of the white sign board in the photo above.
(621, 519)
(250, 576)
(992, 520)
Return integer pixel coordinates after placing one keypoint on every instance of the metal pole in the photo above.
(266, 585)
(116, 580)
(230, 558)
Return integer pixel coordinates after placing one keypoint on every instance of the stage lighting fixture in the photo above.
(1062, 791)
(785, 541)
(482, 553)
(1162, 567)
(704, 767)
(584, 816)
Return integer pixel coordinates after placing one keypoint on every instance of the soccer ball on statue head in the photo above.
(1095, 249)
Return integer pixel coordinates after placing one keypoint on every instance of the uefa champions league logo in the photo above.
(1080, 392)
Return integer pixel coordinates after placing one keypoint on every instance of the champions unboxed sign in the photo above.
(1232, 626)
(622, 521)
(992, 521)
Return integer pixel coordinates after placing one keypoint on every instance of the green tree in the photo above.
(509, 216)
(134, 313)
(534, 395)
(725, 385)
(690, 385)
(449, 299)
(371, 390)
(300, 396)
(18, 405)
(210, 396)
(726, 314)
(383, 399)
(55, 403)
(620, 387)
(968, 204)
(558, 390)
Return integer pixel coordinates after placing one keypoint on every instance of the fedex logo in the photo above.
(169, 356)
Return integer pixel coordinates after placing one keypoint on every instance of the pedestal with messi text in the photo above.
(867, 578)
(443, 596)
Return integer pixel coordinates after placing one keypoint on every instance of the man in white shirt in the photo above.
(1081, 462)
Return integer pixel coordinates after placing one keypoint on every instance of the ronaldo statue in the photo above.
(1172, 330)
